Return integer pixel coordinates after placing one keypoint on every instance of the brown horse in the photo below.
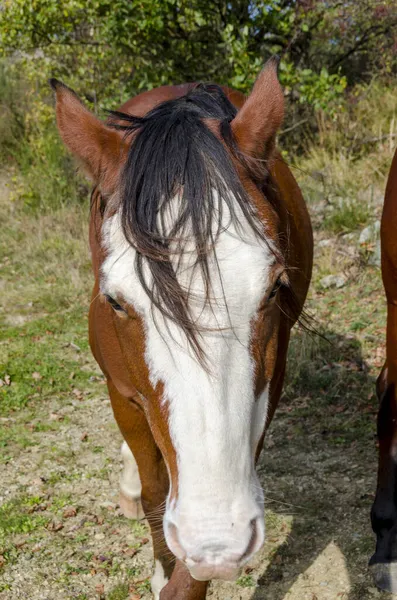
(384, 510)
(202, 253)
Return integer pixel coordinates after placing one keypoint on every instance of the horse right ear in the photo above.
(101, 149)
(256, 124)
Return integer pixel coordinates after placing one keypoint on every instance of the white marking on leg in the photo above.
(130, 483)
(159, 580)
(130, 486)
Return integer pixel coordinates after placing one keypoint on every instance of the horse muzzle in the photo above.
(217, 551)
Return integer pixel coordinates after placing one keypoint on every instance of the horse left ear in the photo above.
(256, 124)
(100, 149)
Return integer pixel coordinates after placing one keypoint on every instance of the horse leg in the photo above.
(168, 583)
(182, 586)
(153, 485)
(384, 510)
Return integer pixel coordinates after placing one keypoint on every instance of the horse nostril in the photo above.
(253, 540)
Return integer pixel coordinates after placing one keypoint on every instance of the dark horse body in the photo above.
(196, 468)
(384, 510)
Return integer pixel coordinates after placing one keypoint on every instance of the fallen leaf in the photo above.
(36, 376)
(54, 526)
(84, 437)
(130, 552)
(69, 512)
(100, 588)
(248, 570)
(37, 481)
(56, 417)
(5, 381)
(75, 347)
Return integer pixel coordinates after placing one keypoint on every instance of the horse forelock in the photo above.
(179, 179)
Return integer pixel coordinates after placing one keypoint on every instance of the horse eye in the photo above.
(115, 305)
(275, 289)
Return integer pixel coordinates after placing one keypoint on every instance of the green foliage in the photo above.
(13, 106)
(15, 517)
(46, 173)
(347, 215)
(109, 51)
(119, 592)
(246, 581)
(44, 153)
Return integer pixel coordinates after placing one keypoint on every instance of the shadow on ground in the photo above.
(319, 464)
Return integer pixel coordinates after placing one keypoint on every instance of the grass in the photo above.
(343, 172)
(348, 216)
(15, 516)
(245, 581)
(119, 592)
(43, 320)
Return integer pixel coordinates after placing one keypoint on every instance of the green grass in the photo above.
(15, 517)
(41, 348)
(43, 309)
(119, 592)
(348, 216)
(245, 581)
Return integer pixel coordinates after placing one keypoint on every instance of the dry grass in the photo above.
(343, 173)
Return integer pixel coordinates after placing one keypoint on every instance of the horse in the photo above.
(202, 254)
(383, 563)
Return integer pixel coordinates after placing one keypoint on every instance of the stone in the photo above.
(324, 243)
(370, 233)
(375, 257)
(336, 281)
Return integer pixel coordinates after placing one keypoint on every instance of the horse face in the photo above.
(214, 412)
(207, 412)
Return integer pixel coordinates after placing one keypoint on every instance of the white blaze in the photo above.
(215, 420)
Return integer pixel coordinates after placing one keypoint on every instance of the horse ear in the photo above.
(100, 149)
(257, 122)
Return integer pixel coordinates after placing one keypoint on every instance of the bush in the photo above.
(46, 175)
(12, 112)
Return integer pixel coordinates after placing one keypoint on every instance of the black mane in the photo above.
(173, 151)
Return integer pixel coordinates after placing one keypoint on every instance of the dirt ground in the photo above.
(63, 535)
